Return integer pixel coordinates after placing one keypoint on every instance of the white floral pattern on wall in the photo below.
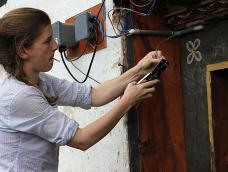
(194, 54)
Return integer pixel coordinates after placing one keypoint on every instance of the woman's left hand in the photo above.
(146, 64)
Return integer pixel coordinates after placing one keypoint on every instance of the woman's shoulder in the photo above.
(11, 88)
(14, 92)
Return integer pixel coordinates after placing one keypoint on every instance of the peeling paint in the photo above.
(70, 111)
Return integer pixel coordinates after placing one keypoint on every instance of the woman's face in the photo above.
(39, 57)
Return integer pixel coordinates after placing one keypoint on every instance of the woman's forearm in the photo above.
(92, 133)
(111, 89)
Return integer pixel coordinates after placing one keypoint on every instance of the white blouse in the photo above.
(31, 130)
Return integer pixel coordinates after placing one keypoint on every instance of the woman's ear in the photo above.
(22, 53)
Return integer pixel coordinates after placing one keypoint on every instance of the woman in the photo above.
(31, 126)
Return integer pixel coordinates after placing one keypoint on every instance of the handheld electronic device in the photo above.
(156, 72)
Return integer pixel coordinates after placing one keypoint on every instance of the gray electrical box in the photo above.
(64, 34)
(68, 35)
(84, 24)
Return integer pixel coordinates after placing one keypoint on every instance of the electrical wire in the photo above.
(141, 6)
(127, 9)
(123, 31)
(120, 23)
(151, 8)
(96, 43)
(163, 41)
(101, 28)
(100, 10)
(100, 24)
(90, 65)
(103, 32)
(83, 52)
(172, 83)
(63, 49)
(84, 73)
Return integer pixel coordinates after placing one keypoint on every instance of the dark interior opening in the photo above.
(219, 96)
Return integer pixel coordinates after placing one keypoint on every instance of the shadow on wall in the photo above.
(3, 2)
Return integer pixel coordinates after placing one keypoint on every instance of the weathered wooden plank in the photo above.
(161, 128)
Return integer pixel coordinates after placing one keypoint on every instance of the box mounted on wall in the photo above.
(82, 45)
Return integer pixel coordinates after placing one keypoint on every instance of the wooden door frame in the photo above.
(211, 68)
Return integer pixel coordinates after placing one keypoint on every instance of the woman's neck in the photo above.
(32, 76)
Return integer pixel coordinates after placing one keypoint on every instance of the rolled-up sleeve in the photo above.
(30, 112)
(69, 93)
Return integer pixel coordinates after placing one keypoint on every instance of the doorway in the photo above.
(217, 94)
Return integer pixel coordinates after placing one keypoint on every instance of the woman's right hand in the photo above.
(85, 137)
(135, 93)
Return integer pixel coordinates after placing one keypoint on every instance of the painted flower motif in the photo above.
(192, 48)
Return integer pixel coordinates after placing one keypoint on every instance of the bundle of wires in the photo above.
(99, 24)
(62, 51)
